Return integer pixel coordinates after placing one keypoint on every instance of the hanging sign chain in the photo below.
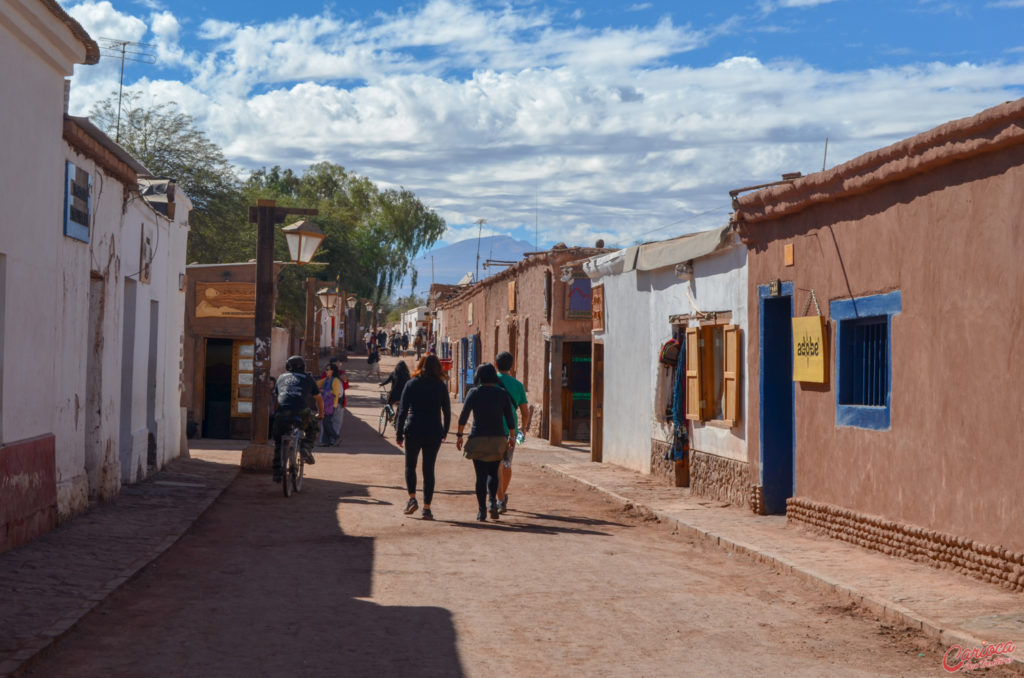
(811, 297)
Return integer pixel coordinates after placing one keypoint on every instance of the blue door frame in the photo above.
(778, 398)
(463, 358)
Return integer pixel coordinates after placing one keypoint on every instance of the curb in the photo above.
(885, 609)
(39, 647)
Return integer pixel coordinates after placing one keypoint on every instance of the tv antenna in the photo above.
(126, 50)
(480, 224)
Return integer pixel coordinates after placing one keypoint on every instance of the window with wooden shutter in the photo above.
(694, 392)
(731, 375)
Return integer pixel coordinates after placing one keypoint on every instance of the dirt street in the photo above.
(335, 581)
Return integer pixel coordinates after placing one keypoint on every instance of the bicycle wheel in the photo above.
(287, 463)
(299, 466)
(382, 420)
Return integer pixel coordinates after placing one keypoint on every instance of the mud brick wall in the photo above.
(719, 478)
(993, 564)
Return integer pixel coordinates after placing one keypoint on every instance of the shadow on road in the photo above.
(261, 586)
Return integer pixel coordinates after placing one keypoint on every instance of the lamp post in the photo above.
(353, 338)
(266, 214)
(328, 297)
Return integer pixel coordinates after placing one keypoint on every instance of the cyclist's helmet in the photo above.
(296, 364)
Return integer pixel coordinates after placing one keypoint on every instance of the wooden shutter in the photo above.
(731, 374)
(694, 392)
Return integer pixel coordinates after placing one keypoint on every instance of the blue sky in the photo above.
(625, 121)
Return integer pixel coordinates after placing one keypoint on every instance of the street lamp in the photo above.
(266, 214)
(304, 238)
(352, 302)
(328, 299)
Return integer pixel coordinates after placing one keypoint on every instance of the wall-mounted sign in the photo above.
(597, 314)
(810, 349)
(225, 300)
(579, 294)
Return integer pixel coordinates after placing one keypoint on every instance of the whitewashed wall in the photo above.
(40, 387)
(168, 264)
(638, 306)
(31, 232)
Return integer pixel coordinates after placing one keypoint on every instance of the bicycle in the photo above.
(387, 415)
(292, 463)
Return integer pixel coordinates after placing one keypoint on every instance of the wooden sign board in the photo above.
(597, 305)
(810, 350)
(225, 300)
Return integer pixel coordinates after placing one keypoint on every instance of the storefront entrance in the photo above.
(217, 382)
(576, 393)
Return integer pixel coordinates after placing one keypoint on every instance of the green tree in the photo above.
(169, 144)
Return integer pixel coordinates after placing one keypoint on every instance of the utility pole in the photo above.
(480, 224)
(127, 51)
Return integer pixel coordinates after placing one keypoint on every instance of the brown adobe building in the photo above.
(218, 353)
(544, 321)
(909, 440)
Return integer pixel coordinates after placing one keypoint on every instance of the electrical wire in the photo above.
(683, 221)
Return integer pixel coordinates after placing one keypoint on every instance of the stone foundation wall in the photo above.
(988, 563)
(718, 478)
(661, 467)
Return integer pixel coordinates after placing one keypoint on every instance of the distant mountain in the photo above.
(452, 262)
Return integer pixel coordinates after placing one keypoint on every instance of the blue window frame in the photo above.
(77, 202)
(864, 359)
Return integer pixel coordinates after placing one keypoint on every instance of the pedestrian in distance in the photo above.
(424, 416)
(398, 378)
(331, 391)
(489, 440)
(373, 360)
(520, 412)
(296, 394)
(405, 344)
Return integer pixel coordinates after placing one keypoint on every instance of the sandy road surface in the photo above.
(337, 582)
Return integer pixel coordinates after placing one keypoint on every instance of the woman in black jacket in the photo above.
(424, 416)
(398, 378)
(489, 439)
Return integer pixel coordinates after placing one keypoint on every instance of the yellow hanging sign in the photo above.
(810, 349)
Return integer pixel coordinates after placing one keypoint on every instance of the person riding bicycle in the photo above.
(296, 394)
(398, 378)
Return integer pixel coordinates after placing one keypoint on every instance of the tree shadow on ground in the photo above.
(261, 586)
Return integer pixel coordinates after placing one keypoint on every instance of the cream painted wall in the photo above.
(637, 310)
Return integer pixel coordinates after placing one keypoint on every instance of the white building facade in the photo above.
(693, 287)
(91, 316)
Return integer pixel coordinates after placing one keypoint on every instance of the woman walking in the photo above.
(488, 441)
(330, 388)
(398, 378)
(424, 416)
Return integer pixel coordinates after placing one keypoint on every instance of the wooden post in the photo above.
(310, 332)
(259, 455)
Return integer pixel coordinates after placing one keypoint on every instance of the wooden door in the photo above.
(597, 404)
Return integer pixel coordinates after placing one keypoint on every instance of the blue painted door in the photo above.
(778, 429)
(463, 360)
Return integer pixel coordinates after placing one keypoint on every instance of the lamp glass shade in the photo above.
(304, 238)
(352, 302)
(328, 297)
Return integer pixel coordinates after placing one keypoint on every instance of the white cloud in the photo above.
(504, 110)
(1006, 3)
(101, 20)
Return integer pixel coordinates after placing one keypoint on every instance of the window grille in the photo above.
(865, 377)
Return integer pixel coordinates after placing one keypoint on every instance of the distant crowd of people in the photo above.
(497, 404)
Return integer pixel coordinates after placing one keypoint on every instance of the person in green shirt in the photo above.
(520, 413)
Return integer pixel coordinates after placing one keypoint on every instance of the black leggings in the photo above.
(430, 446)
(486, 481)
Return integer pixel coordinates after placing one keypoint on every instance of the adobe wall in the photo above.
(949, 240)
(492, 320)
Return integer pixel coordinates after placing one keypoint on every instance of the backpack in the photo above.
(669, 353)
